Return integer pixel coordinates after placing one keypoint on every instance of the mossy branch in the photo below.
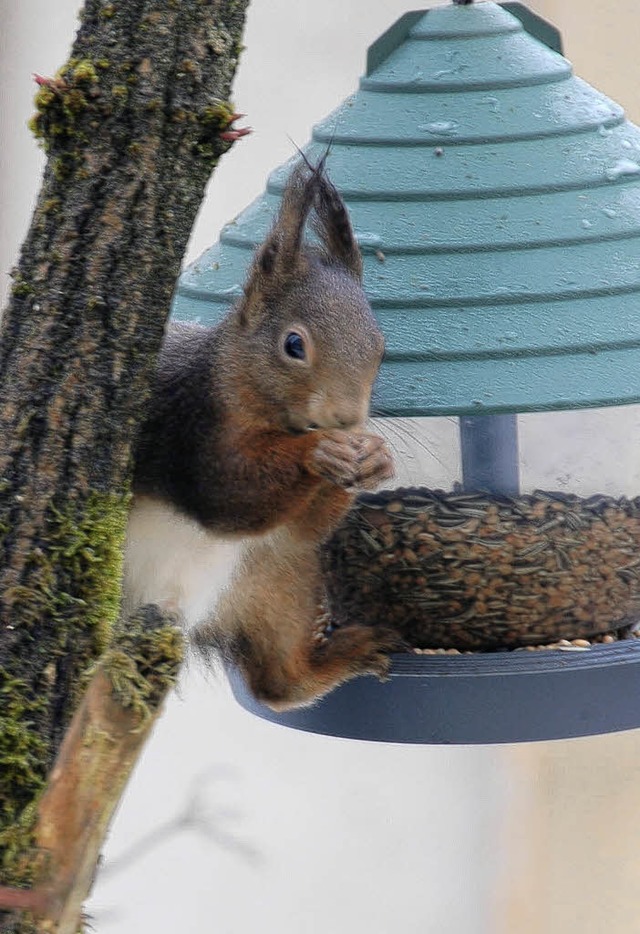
(100, 749)
(133, 125)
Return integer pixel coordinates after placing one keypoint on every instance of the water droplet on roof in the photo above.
(440, 127)
(622, 167)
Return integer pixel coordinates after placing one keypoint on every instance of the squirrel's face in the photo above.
(325, 349)
(313, 345)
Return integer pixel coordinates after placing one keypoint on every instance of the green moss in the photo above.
(217, 114)
(75, 588)
(120, 92)
(51, 205)
(73, 103)
(60, 103)
(84, 71)
(21, 749)
(144, 664)
(20, 861)
(55, 116)
(44, 97)
(108, 11)
(23, 754)
(88, 544)
(62, 166)
(213, 119)
(75, 579)
(20, 288)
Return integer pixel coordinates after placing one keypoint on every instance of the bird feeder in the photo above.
(496, 199)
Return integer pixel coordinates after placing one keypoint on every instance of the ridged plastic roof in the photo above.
(496, 198)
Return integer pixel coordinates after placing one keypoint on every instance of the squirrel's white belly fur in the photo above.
(172, 561)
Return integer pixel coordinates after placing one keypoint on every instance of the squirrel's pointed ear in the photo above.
(279, 260)
(333, 226)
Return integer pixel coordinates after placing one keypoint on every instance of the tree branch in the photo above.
(133, 123)
(100, 749)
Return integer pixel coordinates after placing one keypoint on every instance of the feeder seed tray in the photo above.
(491, 697)
(490, 572)
(485, 571)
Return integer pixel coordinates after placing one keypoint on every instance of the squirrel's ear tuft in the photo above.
(280, 260)
(333, 226)
(267, 257)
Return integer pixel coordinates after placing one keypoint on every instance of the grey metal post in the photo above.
(489, 447)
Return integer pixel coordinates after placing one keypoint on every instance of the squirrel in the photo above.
(252, 450)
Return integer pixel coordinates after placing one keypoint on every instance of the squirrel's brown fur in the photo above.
(245, 440)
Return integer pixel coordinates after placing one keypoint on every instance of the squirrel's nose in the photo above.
(347, 422)
(342, 412)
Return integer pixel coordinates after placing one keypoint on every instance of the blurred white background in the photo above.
(234, 825)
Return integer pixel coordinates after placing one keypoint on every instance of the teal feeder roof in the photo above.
(496, 199)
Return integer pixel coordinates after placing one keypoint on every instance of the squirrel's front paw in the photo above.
(336, 456)
(375, 462)
(351, 460)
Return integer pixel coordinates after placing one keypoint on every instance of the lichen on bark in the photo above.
(131, 125)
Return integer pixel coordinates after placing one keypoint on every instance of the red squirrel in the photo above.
(253, 449)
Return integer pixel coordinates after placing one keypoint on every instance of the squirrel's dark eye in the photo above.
(294, 346)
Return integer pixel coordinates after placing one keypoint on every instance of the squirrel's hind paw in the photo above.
(356, 649)
(334, 658)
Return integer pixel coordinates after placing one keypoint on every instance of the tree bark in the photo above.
(98, 754)
(132, 126)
